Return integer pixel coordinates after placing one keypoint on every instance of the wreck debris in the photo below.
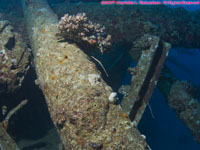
(81, 111)
(14, 63)
(14, 58)
(82, 31)
(13, 111)
(180, 95)
(5, 122)
(6, 142)
(144, 75)
(187, 107)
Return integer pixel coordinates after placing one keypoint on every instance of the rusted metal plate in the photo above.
(145, 75)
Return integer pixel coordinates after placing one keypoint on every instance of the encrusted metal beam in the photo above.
(144, 75)
(182, 99)
(79, 101)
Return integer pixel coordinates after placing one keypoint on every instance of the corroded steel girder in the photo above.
(186, 105)
(76, 95)
(145, 75)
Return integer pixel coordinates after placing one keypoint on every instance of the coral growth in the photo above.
(79, 29)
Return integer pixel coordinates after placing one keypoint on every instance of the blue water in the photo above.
(185, 63)
(165, 131)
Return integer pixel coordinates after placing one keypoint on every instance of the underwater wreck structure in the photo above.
(76, 95)
(130, 23)
(82, 106)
